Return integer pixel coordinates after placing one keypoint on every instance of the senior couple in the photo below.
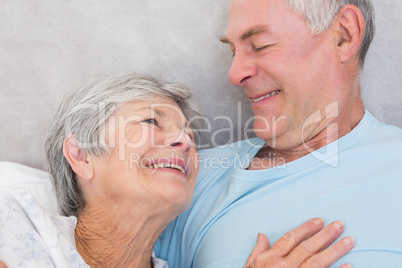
(121, 155)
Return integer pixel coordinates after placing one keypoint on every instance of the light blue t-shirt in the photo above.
(356, 179)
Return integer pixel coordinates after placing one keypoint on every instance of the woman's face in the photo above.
(152, 162)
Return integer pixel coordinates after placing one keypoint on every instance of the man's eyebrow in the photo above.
(254, 31)
(224, 39)
(249, 33)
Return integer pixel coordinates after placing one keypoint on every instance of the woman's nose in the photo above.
(179, 140)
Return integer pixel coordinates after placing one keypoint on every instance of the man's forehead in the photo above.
(247, 18)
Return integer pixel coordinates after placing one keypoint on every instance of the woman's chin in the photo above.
(178, 200)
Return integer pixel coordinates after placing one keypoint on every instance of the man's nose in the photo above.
(241, 70)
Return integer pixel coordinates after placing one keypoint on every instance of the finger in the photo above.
(316, 243)
(346, 265)
(261, 246)
(330, 255)
(2, 265)
(291, 239)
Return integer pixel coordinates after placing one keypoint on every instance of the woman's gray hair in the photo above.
(319, 16)
(84, 114)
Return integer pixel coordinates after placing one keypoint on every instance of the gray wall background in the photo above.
(49, 47)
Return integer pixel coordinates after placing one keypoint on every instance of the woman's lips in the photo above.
(172, 163)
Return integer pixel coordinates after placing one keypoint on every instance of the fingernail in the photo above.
(318, 221)
(346, 266)
(258, 237)
(338, 225)
(347, 241)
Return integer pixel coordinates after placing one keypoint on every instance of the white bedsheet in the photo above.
(31, 236)
(34, 180)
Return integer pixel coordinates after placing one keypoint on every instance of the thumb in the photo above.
(262, 242)
(261, 246)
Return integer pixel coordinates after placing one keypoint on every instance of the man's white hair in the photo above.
(319, 15)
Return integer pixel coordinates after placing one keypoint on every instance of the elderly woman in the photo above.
(120, 153)
(121, 157)
(122, 161)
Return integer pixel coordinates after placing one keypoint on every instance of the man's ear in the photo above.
(350, 29)
(80, 161)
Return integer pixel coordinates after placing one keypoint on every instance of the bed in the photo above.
(49, 48)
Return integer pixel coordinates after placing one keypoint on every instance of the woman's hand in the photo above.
(3, 265)
(307, 246)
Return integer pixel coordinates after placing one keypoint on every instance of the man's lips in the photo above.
(172, 163)
(259, 98)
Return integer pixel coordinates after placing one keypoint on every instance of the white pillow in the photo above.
(37, 182)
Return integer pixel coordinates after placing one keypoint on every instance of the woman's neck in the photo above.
(112, 239)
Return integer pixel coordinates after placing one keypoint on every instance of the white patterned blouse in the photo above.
(31, 236)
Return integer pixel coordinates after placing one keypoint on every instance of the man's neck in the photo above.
(268, 157)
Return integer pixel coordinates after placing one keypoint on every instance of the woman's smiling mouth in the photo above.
(176, 164)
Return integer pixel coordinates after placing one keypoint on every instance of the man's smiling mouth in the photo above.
(266, 96)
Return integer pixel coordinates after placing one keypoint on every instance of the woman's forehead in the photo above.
(158, 107)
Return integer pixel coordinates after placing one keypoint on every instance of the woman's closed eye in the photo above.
(191, 135)
(152, 121)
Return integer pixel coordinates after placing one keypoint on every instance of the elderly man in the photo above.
(318, 151)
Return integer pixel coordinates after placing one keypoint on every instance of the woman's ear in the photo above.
(80, 161)
(350, 27)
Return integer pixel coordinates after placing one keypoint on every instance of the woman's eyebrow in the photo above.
(159, 112)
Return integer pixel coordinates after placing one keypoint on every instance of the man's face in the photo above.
(285, 71)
